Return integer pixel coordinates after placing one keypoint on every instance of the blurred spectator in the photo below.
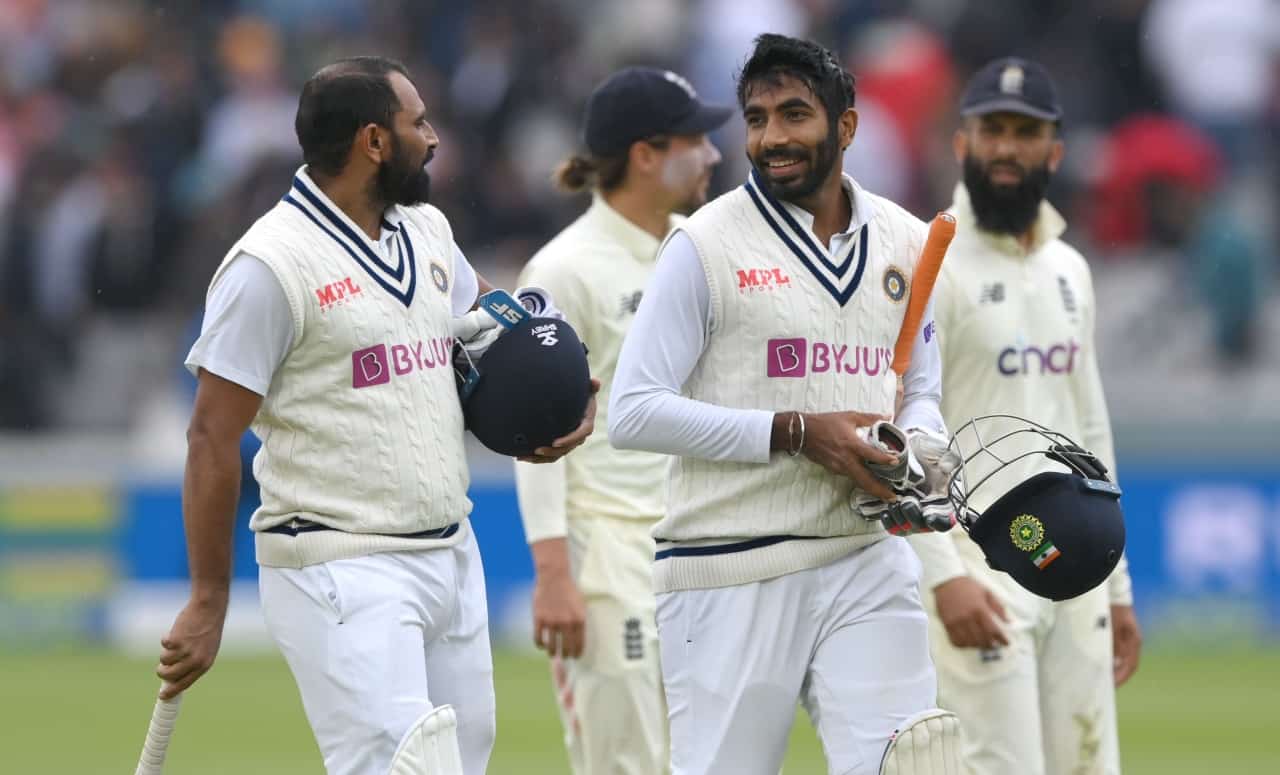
(139, 137)
(1160, 182)
(1218, 64)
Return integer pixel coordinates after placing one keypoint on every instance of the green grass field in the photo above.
(86, 713)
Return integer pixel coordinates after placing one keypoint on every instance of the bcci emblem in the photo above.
(439, 277)
(1026, 532)
(895, 285)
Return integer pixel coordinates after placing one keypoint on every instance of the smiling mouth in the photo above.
(783, 165)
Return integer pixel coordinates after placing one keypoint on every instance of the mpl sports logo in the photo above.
(376, 365)
(1058, 358)
(340, 292)
(790, 358)
(764, 279)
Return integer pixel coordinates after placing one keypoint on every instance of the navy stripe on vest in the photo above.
(405, 297)
(740, 546)
(754, 181)
(396, 272)
(841, 296)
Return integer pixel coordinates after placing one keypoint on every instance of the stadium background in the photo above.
(138, 139)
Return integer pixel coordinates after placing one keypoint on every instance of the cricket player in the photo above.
(587, 518)
(328, 328)
(759, 355)
(1033, 681)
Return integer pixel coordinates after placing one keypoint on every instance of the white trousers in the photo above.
(1043, 705)
(847, 640)
(375, 642)
(611, 702)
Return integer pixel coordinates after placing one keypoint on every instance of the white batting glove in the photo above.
(921, 485)
(538, 302)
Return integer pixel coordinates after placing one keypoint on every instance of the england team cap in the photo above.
(1012, 85)
(532, 387)
(641, 102)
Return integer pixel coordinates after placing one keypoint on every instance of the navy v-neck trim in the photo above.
(396, 272)
(818, 252)
(841, 295)
(405, 297)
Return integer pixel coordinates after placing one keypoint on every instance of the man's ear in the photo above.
(1055, 155)
(848, 127)
(373, 142)
(960, 144)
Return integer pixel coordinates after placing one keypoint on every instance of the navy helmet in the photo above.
(529, 388)
(1059, 532)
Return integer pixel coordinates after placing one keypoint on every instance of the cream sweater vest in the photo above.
(791, 330)
(361, 426)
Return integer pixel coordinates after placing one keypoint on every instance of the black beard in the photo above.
(1005, 209)
(822, 162)
(400, 181)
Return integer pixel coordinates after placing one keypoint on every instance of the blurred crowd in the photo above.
(139, 139)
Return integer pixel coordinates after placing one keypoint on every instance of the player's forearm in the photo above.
(939, 559)
(210, 490)
(659, 421)
(542, 492)
(1119, 585)
(550, 557)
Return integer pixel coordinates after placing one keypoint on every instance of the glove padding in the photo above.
(475, 331)
(921, 480)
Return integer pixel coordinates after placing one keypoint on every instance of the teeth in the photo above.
(782, 163)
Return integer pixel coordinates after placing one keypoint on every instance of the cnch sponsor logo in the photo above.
(799, 357)
(1058, 358)
(376, 365)
(752, 280)
(340, 292)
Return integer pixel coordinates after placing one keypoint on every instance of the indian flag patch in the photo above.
(1046, 554)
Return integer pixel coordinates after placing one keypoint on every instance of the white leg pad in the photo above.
(430, 747)
(927, 743)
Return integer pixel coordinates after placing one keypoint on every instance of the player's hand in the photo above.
(1126, 639)
(191, 646)
(559, 611)
(566, 444)
(971, 614)
(832, 440)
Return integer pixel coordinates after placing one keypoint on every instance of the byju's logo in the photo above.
(376, 365)
(799, 357)
(751, 280)
(1058, 358)
(340, 292)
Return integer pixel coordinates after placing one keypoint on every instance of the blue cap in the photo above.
(1012, 85)
(641, 102)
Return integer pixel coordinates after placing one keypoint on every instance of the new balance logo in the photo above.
(341, 292)
(751, 280)
(633, 639)
(629, 303)
(992, 294)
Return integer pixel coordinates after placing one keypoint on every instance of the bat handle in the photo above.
(163, 718)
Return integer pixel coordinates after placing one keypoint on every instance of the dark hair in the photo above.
(337, 101)
(778, 55)
(579, 172)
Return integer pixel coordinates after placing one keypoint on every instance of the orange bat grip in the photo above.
(941, 230)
